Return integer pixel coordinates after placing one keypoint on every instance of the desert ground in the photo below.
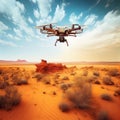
(77, 92)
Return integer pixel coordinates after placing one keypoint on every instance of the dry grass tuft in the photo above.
(113, 72)
(96, 73)
(10, 99)
(19, 80)
(117, 92)
(38, 76)
(106, 97)
(107, 81)
(102, 115)
(65, 86)
(80, 94)
(65, 78)
(64, 107)
(3, 84)
(46, 81)
(85, 73)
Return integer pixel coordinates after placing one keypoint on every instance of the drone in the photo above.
(61, 31)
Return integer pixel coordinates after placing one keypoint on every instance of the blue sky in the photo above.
(19, 39)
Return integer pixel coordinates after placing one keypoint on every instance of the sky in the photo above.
(100, 40)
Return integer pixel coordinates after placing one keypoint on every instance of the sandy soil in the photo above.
(41, 101)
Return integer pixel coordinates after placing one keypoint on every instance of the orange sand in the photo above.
(38, 106)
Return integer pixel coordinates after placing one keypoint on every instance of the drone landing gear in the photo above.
(62, 40)
(59, 41)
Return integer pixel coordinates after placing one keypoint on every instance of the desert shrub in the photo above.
(22, 82)
(85, 73)
(113, 72)
(91, 79)
(64, 107)
(80, 94)
(56, 76)
(1, 71)
(10, 99)
(3, 84)
(73, 73)
(65, 78)
(54, 93)
(117, 92)
(106, 97)
(107, 81)
(38, 77)
(19, 79)
(56, 81)
(102, 115)
(2, 101)
(5, 77)
(96, 73)
(46, 81)
(27, 76)
(64, 86)
(97, 82)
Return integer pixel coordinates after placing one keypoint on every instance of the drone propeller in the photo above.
(45, 25)
(83, 26)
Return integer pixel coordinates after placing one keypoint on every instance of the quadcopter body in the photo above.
(61, 31)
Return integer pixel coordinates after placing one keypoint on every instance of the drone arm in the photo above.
(74, 35)
(49, 35)
(43, 31)
(76, 29)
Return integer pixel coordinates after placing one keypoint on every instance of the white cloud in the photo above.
(74, 18)
(8, 43)
(44, 7)
(20, 6)
(101, 43)
(94, 5)
(18, 32)
(12, 9)
(17, 17)
(34, 1)
(90, 19)
(44, 21)
(36, 13)
(3, 27)
(59, 13)
(30, 20)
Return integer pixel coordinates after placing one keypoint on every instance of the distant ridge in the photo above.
(14, 62)
(21, 60)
